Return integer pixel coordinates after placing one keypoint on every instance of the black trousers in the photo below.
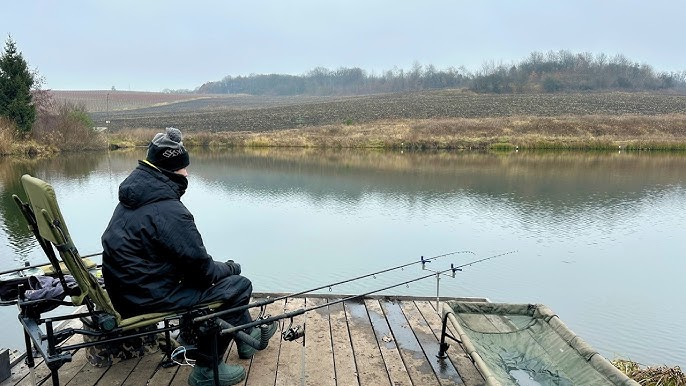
(233, 291)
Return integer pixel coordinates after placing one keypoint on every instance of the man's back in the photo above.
(152, 251)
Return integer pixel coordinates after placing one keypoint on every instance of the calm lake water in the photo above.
(599, 237)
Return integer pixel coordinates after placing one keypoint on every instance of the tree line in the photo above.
(342, 81)
(16, 83)
(29, 113)
(554, 71)
(564, 71)
(27, 107)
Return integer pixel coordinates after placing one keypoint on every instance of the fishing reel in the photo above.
(292, 333)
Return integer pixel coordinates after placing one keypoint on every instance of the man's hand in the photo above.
(234, 267)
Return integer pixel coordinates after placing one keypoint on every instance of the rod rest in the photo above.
(259, 344)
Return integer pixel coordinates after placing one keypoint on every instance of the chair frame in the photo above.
(105, 322)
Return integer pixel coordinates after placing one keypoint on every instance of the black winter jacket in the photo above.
(153, 255)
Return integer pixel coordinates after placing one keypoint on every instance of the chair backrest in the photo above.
(52, 227)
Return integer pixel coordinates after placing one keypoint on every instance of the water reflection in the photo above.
(531, 180)
(597, 234)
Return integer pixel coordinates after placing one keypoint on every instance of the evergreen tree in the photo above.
(15, 88)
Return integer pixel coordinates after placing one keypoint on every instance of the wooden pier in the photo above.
(376, 341)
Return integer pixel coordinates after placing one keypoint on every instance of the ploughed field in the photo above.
(216, 113)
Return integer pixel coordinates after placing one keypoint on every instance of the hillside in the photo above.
(221, 113)
(442, 119)
(103, 100)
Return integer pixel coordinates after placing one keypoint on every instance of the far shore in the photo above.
(430, 119)
(589, 132)
(451, 119)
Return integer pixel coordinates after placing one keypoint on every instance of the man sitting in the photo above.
(154, 259)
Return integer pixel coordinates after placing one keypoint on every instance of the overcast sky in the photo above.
(172, 44)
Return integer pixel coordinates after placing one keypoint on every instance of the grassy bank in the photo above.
(440, 119)
(57, 128)
(11, 144)
(587, 132)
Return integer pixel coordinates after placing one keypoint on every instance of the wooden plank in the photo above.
(389, 349)
(288, 371)
(17, 373)
(262, 368)
(118, 372)
(178, 375)
(28, 380)
(342, 344)
(88, 375)
(71, 369)
(20, 374)
(444, 370)
(319, 368)
(145, 369)
(417, 364)
(163, 375)
(462, 361)
(371, 369)
(343, 358)
(66, 372)
(181, 376)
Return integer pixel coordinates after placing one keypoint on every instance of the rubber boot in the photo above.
(263, 333)
(228, 375)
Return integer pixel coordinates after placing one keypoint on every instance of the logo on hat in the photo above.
(172, 152)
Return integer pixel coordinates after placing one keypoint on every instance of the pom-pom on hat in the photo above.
(166, 150)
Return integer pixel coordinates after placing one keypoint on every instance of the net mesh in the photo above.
(524, 344)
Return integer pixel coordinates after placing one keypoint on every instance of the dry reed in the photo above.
(6, 136)
(651, 376)
(568, 132)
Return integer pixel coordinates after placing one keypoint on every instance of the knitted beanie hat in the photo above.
(166, 150)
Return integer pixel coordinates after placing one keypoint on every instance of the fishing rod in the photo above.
(264, 302)
(298, 333)
(459, 268)
(42, 265)
(221, 327)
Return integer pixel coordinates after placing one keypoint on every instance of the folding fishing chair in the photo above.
(105, 324)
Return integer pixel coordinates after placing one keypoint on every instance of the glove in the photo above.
(234, 267)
